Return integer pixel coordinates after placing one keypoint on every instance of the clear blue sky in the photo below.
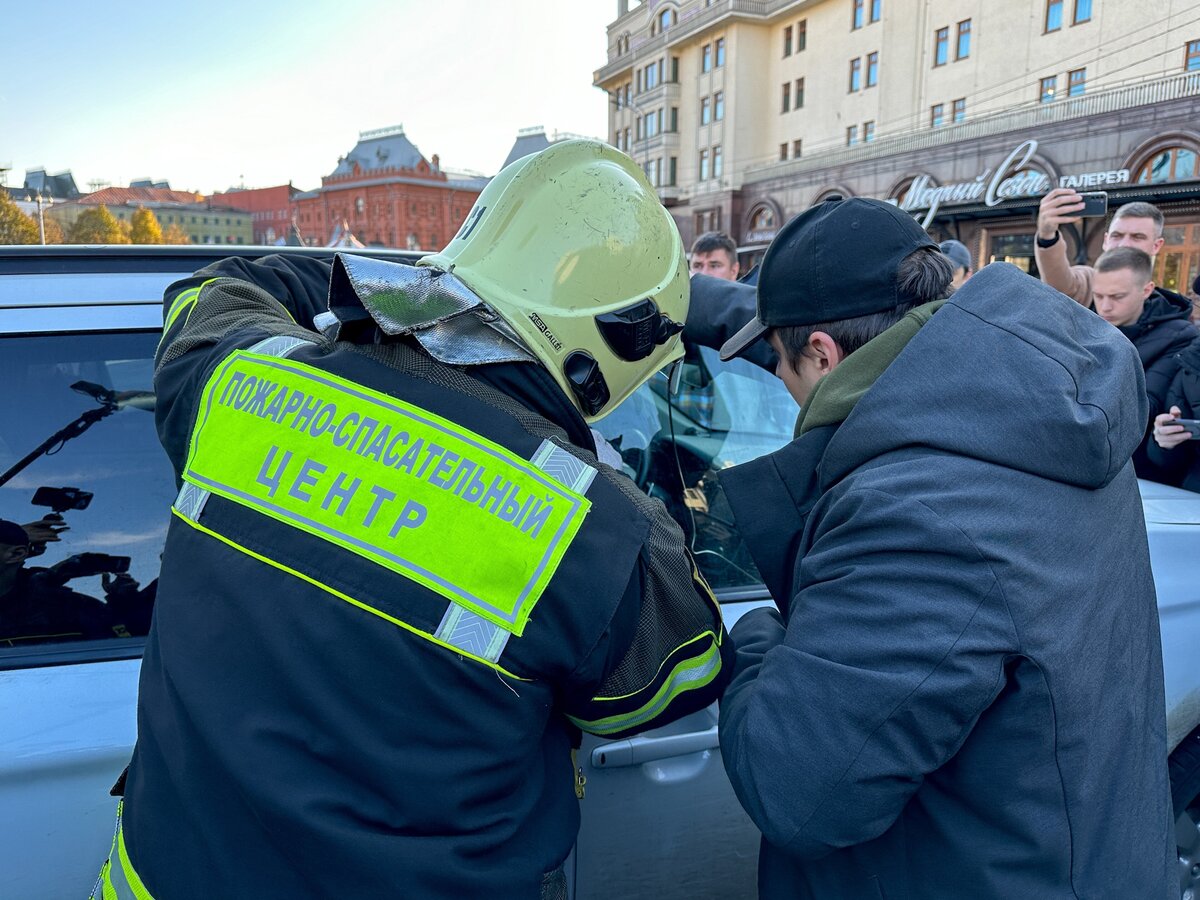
(206, 94)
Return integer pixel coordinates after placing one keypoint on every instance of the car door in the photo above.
(77, 436)
(659, 817)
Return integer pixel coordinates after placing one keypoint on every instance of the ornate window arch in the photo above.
(1169, 157)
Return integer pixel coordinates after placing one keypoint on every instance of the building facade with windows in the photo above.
(964, 112)
(270, 209)
(203, 221)
(387, 194)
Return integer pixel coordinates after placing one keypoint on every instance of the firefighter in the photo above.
(398, 583)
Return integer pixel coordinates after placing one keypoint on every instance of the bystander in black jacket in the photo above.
(1180, 465)
(1162, 331)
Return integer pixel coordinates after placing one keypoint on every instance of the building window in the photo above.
(941, 46)
(671, 169)
(1191, 57)
(876, 10)
(629, 93)
(704, 165)
(1076, 82)
(783, 151)
(664, 20)
(705, 111)
(963, 50)
(653, 120)
(937, 114)
(787, 41)
(851, 135)
(674, 119)
(1173, 164)
(1083, 12)
(639, 81)
(706, 58)
(716, 158)
(719, 106)
(641, 134)
(627, 139)
(720, 52)
(785, 102)
(359, 205)
(799, 94)
(855, 73)
(860, 14)
(868, 132)
(960, 109)
(1053, 15)
(652, 72)
(797, 145)
(872, 69)
(1048, 89)
(802, 35)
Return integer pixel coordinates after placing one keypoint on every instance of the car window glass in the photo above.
(104, 473)
(723, 414)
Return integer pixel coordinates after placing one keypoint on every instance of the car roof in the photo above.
(85, 275)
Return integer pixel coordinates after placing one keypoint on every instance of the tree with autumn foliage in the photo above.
(174, 234)
(144, 227)
(15, 226)
(97, 226)
(54, 232)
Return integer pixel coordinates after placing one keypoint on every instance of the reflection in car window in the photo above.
(726, 413)
(95, 504)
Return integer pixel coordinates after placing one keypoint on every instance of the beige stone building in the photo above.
(745, 112)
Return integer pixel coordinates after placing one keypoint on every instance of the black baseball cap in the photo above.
(12, 534)
(836, 260)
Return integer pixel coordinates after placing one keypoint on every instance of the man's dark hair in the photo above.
(1140, 210)
(715, 240)
(1131, 258)
(922, 277)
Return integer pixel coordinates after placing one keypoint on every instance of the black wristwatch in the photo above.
(1046, 244)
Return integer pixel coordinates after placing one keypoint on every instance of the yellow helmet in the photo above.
(572, 248)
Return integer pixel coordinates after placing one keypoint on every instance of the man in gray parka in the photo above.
(961, 694)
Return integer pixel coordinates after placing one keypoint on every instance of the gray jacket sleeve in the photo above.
(893, 646)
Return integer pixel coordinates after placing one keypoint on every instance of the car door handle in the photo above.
(637, 750)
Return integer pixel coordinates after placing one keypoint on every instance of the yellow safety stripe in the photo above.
(135, 882)
(687, 675)
(341, 596)
(185, 300)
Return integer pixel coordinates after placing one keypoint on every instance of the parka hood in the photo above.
(1011, 372)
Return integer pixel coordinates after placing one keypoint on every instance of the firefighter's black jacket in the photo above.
(301, 730)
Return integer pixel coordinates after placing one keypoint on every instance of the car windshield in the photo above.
(104, 472)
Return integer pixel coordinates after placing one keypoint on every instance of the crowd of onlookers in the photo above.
(1119, 287)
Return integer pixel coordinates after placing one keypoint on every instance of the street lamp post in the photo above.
(39, 199)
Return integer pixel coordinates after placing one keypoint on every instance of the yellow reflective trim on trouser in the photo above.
(118, 880)
(341, 596)
(688, 675)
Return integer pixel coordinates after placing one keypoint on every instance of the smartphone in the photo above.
(1192, 425)
(1095, 203)
(62, 499)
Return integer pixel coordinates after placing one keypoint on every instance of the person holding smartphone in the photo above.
(1138, 225)
(1173, 451)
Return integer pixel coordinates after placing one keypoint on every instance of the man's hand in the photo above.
(1167, 434)
(45, 530)
(1059, 207)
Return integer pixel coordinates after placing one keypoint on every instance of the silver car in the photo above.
(78, 329)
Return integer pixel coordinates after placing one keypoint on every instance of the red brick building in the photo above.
(270, 209)
(388, 195)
